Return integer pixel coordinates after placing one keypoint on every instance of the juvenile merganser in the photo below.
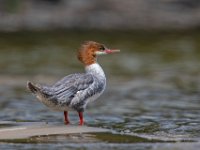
(75, 91)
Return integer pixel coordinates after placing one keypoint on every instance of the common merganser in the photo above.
(75, 91)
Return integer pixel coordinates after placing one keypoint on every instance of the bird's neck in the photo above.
(95, 69)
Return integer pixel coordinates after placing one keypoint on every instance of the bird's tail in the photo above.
(33, 88)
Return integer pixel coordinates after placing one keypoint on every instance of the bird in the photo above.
(75, 91)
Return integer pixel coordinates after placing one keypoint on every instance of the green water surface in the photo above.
(152, 86)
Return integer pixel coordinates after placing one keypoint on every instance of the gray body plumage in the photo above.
(73, 91)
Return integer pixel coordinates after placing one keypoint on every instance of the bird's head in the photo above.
(89, 51)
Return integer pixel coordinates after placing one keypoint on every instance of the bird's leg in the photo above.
(66, 117)
(81, 118)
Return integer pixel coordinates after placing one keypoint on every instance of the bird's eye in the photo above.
(102, 48)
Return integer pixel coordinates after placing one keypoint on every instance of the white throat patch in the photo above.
(100, 53)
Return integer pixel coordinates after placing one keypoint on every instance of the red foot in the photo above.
(81, 118)
(66, 118)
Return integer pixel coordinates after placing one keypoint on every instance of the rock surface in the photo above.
(40, 129)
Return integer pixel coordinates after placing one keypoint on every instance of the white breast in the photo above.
(96, 70)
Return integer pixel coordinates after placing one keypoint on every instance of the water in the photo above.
(152, 90)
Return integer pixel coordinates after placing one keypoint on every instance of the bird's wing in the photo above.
(67, 79)
(66, 88)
